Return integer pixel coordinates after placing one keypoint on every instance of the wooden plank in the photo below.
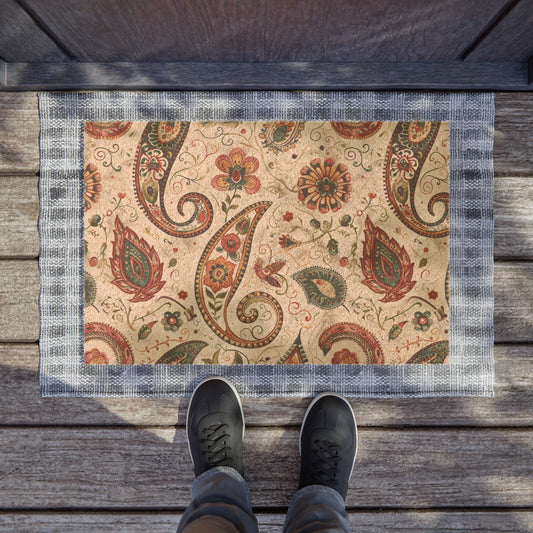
(266, 31)
(511, 39)
(136, 468)
(513, 135)
(510, 76)
(512, 405)
(19, 204)
(21, 39)
(19, 131)
(363, 522)
(19, 292)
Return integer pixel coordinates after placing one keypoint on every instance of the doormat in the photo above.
(294, 242)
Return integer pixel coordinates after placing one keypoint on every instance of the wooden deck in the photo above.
(431, 465)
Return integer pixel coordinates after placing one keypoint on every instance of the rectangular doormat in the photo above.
(294, 242)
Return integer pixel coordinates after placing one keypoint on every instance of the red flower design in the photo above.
(433, 295)
(343, 261)
(325, 185)
(371, 195)
(286, 242)
(288, 216)
(385, 264)
(135, 265)
(231, 243)
(345, 357)
(92, 186)
(96, 357)
(218, 274)
(182, 295)
(237, 172)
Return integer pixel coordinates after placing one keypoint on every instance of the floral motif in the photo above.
(323, 287)
(385, 265)
(288, 216)
(403, 164)
(96, 357)
(345, 357)
(172, 321)
(218, 274)
(422, 321)
(237, 172)
(231, 243)
(325, 185)
(92, 186)
(106, 130)
(286, 241)
(153, 164)
(356, 130)
(433, 295)
(135, 265)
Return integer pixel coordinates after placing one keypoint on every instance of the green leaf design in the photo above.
(435, 353)
(323, 287)
(423, 262)
(182, 354)
(173, 262)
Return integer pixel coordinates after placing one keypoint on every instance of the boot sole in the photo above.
(227, 382)
(315, 400)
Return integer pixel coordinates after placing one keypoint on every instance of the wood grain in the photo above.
(21, 39)
(19, 292)
(150, 468)
(510, 39)
(512, 405)
(444, 521)
(19, 131)
(263, 31)
(19, 204)
(302, 75)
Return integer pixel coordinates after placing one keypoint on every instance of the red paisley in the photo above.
(356, 130)
(106, 130)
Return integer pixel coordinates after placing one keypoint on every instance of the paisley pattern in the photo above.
(323, 287)
(135, 265)
(109, 344)
(345, 337)
(408, 151)
(107, 130)
(356, 130)
(158, 149)
(279, 243)
(219, 274)
(385, 265)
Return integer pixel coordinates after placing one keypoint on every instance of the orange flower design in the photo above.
(93, 186)
(345, 357)
(238, 172)
(218, 274)
(96, 357)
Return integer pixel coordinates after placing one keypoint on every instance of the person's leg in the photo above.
(219, 494)
(328, 444)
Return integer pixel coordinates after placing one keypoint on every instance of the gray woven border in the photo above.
(471, 370)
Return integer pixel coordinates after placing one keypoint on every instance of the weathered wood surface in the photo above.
(19, 205)
(451, 75)
(510, 38)
(247, 30)
(21, 39)
(513, 137)
(512, 405)
(96, 468)
(19, 294)
(445, 521)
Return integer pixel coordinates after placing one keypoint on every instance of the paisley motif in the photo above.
(223, 278)
(109, 343)
(135, 264)
(182, 354)
(322, 286)
(356, 130)
(106, 130)
(295, 354)
(348, 338)
(158, 148)
(89, 290)
(435, 353)
(408, 149)
(385, 264)
(281, 136)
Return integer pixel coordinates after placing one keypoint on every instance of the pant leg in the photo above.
(317, 509)
(220, 503)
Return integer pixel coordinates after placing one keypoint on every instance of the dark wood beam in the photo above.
(455, 75)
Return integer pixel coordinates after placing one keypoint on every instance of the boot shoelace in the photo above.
(214, 447)
(325, 460)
